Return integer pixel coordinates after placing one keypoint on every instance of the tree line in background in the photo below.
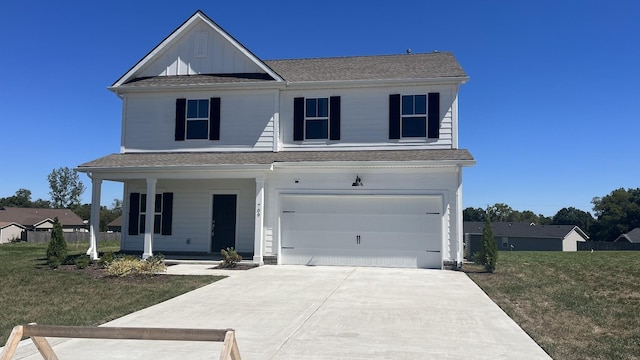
(65, 190)
(615, 214)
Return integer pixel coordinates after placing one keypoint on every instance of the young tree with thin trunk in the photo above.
(66, 188)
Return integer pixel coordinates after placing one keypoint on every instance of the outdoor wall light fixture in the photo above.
(358, 181)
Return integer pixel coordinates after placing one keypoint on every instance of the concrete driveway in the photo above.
(298, 312)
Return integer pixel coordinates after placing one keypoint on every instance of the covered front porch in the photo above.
(186, 214)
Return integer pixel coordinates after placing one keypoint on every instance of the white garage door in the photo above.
(360, 230)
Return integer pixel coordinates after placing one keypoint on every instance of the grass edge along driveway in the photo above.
(31, 292)
(575, 305)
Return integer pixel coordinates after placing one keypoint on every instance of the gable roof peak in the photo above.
(178, 64)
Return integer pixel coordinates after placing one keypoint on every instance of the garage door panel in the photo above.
(376, 223)
(361, 230)
(355, 257)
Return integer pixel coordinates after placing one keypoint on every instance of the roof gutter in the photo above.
(119, 89)
(372, 164)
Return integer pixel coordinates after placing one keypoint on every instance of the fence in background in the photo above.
(71, 237)
(607, 245)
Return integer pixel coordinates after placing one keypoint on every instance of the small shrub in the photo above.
(57, 249)
(54, 263)
(489, 253)
(230, 258)
(476, 258)
(155, 263)
(106, 258)
(133, 266)
(82, 262)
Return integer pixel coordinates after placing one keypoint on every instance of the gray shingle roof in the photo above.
(266, 158)
(187, 80)
(632, 236)
(31, 216)
(349, 68)
(520, 229)
(381, 67)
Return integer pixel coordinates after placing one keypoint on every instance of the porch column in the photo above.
(259, 222)
(149, 217)
(94, 226)
(459, 220)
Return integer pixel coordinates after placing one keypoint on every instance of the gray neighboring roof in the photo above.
(4, 224)
(32, 216)
(116, 222)
(632, 236)
(434, 65)
(523, 229)
(266, 158)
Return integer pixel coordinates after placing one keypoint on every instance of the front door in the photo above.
(223, 222)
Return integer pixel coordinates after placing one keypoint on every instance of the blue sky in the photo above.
(551, 112)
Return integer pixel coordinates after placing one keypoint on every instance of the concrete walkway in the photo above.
(298, 312)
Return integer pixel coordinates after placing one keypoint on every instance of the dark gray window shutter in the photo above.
(167, 213)
(433, 116)
(298, 119)
(214, 119)
(334, 118)
(181, 108)
(394, 116)
(134, 213)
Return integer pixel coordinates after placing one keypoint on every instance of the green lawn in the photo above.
(579, 305)
(31, 292)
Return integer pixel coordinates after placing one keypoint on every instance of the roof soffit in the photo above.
(179, 33)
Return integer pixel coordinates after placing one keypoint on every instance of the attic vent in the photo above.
(200, 46)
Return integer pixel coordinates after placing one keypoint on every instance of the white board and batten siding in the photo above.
(200, 50)
(365, 118)
(362, 230)
(192, 207)
(246, 122)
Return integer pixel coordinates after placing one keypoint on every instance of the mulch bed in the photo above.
(97, 272)
(237, 267)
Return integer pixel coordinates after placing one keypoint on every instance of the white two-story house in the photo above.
(325, 161)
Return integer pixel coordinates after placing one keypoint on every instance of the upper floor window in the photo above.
(197, 119)
(316, 118)
(414, 116)
(316, 121)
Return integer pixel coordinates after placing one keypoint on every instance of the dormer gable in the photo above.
(198, 47)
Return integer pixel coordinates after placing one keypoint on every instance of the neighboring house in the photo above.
(10, 231)
(325, 161)
(115, 225)
(524, 236)
(632, 236)
(36, 219)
